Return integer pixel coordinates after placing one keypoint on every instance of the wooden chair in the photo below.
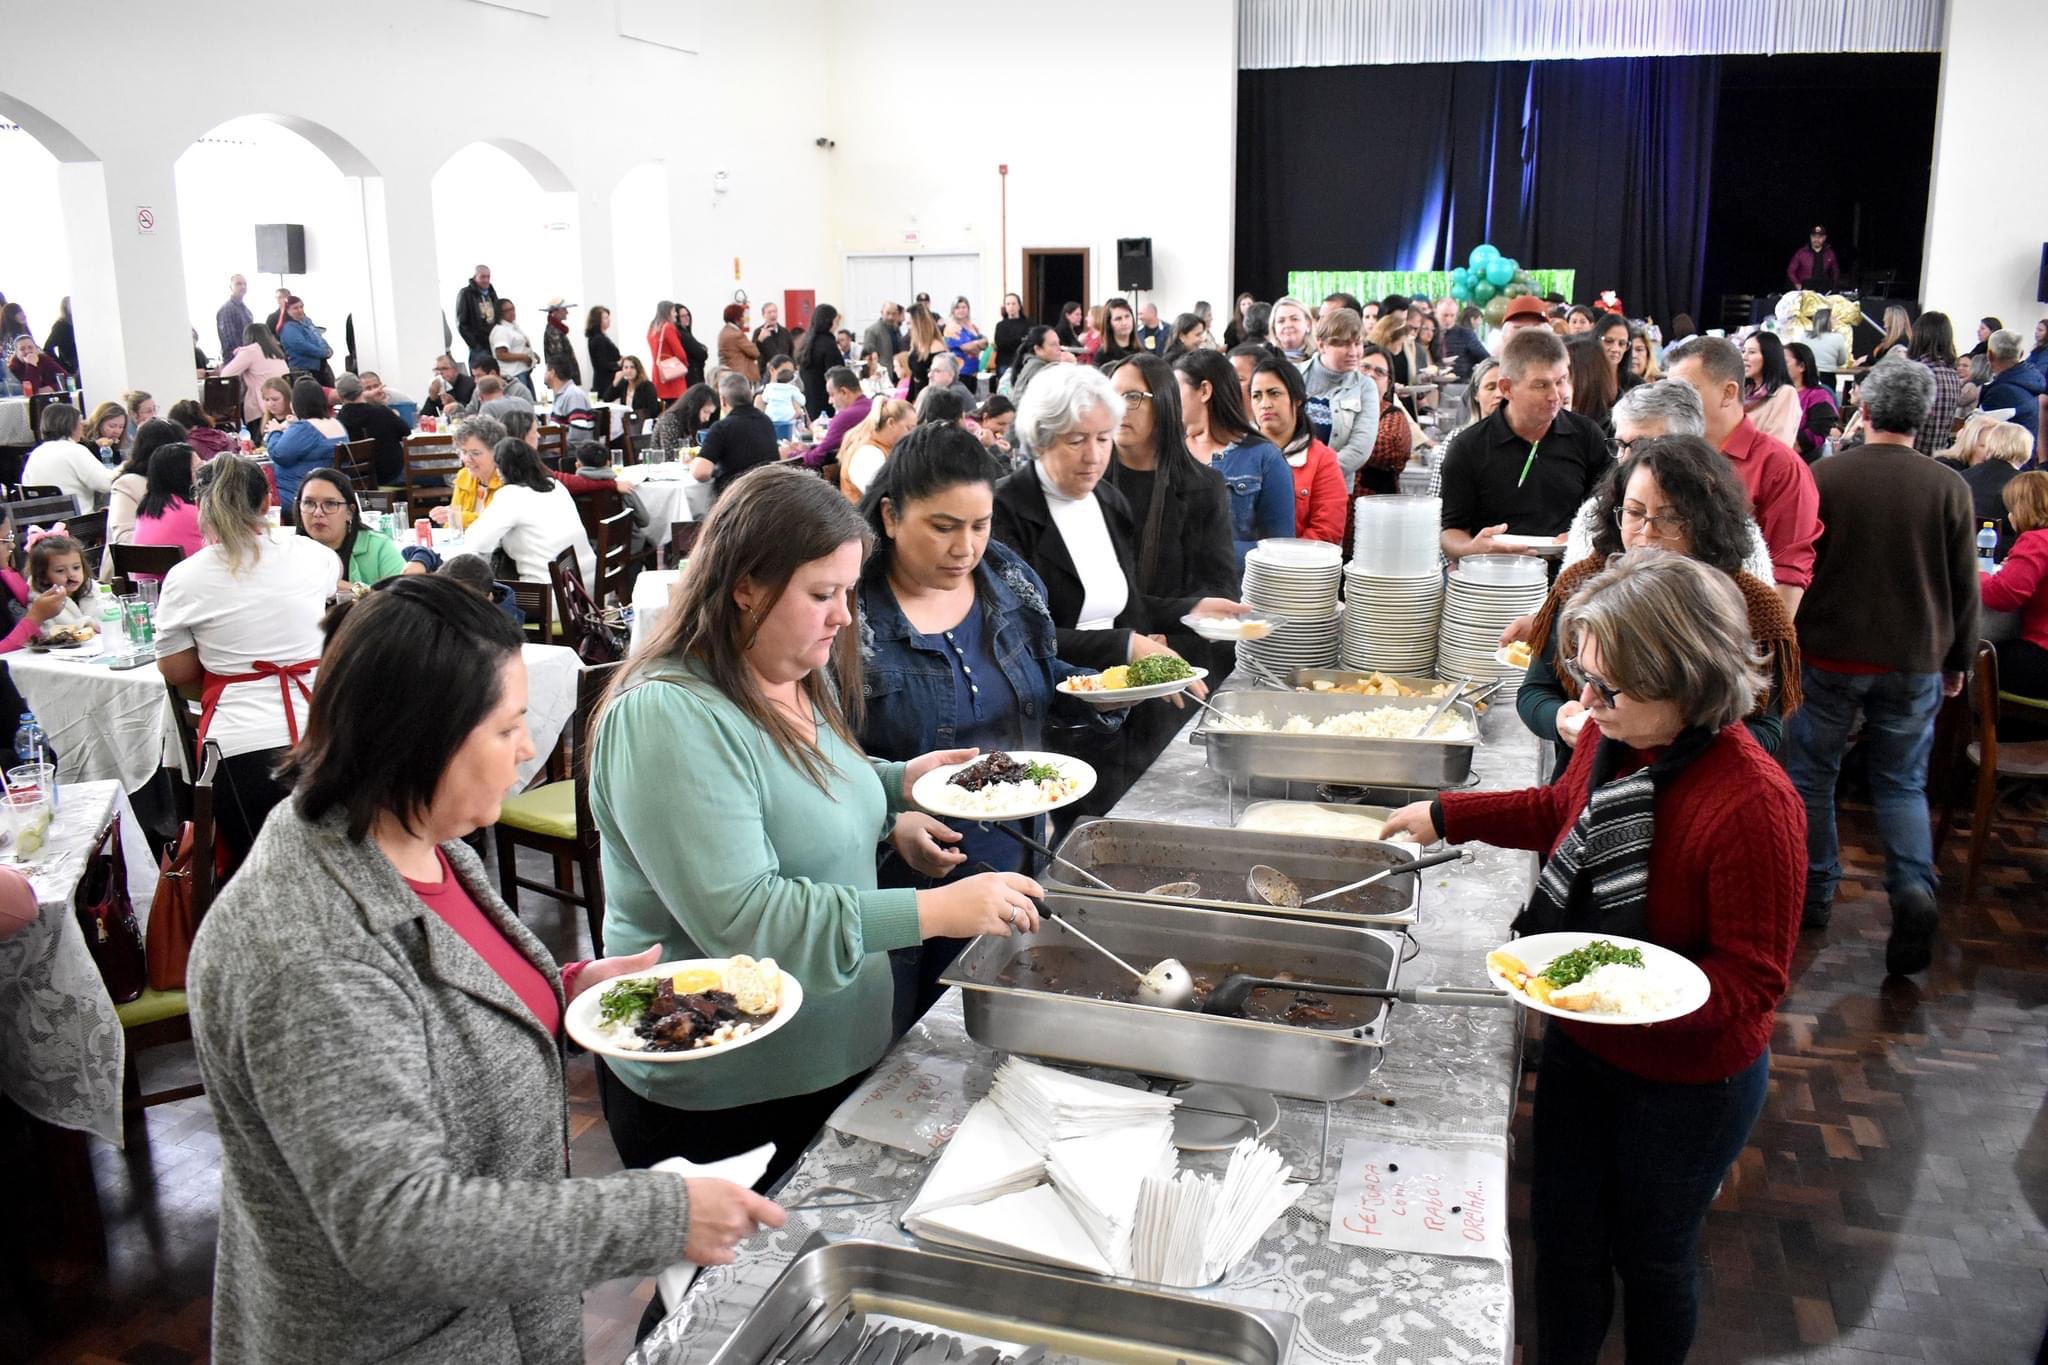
(160, 1018)
(32, 492)
(146, 560)
(536, 601)
(377, 499)
(358, 460)
(595, 505)
(554, 444)
(600, 426)
(48, 398)
(682, 538)
(616, 568)
(431, 464)
(89, 529)
(631, 438)
(2014, 764)
(555, 818)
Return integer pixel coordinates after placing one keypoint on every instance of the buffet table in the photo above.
(1447, 1082)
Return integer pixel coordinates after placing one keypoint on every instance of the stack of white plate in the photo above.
(1390, 622)
(1295, 583)
(1485, 593)
(1396, 535)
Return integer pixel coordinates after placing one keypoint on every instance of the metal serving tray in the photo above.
(1136, 855)
(1306, 678)
(1243, 755)
(1071, 1315)
(1286, 1059)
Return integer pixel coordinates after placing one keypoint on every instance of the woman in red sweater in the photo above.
(1279, 404)
(2021, 585)
(1697, 842)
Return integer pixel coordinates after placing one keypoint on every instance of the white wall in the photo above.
(1987, 208)
(32, 240)
(1034, 89)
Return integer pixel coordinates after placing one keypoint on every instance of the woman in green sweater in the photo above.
(737, 814)
(330, 513)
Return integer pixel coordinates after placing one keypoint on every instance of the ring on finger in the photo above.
(1010, 915)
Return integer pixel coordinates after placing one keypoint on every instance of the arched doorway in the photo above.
(503, 204)
(55, 241)
(265, 169)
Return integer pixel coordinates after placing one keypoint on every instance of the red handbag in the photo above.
(174, 912)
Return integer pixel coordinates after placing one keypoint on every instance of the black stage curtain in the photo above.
(1596, 166)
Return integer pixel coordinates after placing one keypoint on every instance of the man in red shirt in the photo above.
(1814, 266)
(1781, 490)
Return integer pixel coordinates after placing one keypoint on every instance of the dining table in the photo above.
(14, 428)
(669, 493)
(62, 1048)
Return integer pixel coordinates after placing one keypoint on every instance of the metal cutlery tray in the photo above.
(1135, 855)
(1070, 1315)
(1286, 1059)
(1352, 759)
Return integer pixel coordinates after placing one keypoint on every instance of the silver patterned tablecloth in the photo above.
(61, 1045)
(1448, 1081)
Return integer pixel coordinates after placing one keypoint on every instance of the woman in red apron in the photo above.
(239, 622)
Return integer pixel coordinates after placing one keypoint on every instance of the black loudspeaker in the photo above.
(1134, 262)
(281, 248)
(2041, 286)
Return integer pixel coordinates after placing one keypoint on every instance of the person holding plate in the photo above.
(1674, 827)
(738, 813)
(381, 1041)
(958, 648)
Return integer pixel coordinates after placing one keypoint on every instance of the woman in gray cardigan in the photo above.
(380, 1037)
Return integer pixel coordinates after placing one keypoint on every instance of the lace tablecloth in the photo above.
(1447, 1082)
(61, 1045)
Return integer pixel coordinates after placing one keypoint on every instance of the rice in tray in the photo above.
(1379, 722)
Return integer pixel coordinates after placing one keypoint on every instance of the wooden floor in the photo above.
(1891, 1206)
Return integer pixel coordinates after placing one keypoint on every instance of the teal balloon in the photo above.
(1461, 291)
(1500, 271)
(1461, 276)
(1482, 291)
(1483, 255)
(1522, 276)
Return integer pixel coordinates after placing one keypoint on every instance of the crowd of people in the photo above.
(1765, 545)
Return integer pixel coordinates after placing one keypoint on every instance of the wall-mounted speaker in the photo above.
(2041, 285)
(1134, 262)
(281, 248)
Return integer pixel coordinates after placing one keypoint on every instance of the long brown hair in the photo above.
(766, 526)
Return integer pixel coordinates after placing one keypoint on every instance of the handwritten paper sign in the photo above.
(912, 1103)
(1414, 1199)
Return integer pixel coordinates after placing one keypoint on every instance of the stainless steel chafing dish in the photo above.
(1288, 1059)
(1136, 855)
(1008, 1301)
(1355, 760)
(1307, 678)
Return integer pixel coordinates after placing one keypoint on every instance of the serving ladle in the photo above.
(1168, 984)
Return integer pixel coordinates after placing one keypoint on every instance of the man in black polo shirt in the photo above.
(742, 439)
(1525, 470)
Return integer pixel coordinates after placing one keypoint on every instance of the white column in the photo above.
(128, 291)
(405, 275)
(599, 262)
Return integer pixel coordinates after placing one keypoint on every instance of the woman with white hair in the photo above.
(1291, 326)
(1673, 826)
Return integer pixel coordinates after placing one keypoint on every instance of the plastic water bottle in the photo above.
(28, 740)
(113, 629)
(1987, 548)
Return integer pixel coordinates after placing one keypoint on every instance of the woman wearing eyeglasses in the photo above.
(1677, 494)
(1672, 826)
(330, 514)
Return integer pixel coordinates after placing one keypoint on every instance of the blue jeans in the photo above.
(1898, 730)
(1625, 1169)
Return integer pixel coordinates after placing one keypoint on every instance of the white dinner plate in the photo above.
(934, 795)
(1538, 545)
(580, 1019)
(1124, 696)
(1537, 950)
(1501, 657)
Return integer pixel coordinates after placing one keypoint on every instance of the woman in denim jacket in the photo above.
(958, 651)
(1222, 435)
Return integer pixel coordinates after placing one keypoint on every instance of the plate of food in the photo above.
(1012, 785)
(68, 637)
(685, 1011)
(1255, 626)
(1155, 675)
(1516, 655)
(1598, 978)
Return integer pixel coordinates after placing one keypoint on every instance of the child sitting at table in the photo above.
(782, 398)
(55, 560)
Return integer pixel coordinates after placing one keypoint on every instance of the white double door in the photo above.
(875, 278)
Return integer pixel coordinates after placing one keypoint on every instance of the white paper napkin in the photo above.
(744, 1169)
(986, 1159)
(1035, 1224)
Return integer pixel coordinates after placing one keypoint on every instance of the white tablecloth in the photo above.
(650, 601)
(61, 1045)
(103, 722)
(669, 494)
(14, 423)
(550, 700)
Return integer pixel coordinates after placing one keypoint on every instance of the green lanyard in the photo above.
(1529, 463)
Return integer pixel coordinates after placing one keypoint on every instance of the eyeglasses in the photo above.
(326, 507)
(1137, 396)
(1608, 694)
(1377, 371)
(1630, 518)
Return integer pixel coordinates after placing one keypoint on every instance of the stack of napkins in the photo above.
(1045, 1106)
(1099, 1177)
(985, 1160)
(1190, 1229)
(1034, 1224)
